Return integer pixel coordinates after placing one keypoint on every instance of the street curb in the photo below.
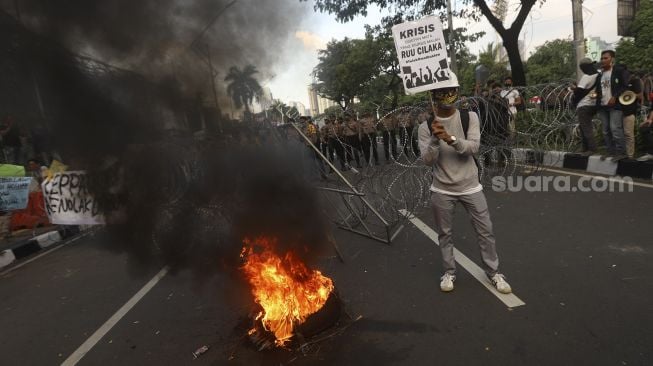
(33, 245)
(590, 164)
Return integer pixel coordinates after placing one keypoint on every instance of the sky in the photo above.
(551, 21)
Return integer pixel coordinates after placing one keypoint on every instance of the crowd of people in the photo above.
(613, 95)
(348, 139)
(24, 148)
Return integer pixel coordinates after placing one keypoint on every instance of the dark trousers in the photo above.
(326, 150)
(335, 145)
(585, 115)
(352, 149)
(408, 141)
(647, 137)
(389, 139)
(367, 141)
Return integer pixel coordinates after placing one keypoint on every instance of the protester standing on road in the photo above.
(614, 81)
(450, 151)
(586, 108)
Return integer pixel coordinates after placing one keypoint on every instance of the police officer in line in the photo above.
(368, 137)
(389, 126)
(335, 140)
(352, 133)
(324, 140)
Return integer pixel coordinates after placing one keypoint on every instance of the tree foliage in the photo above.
(346, 10)
(345, 68)
(280, 111)
(552, 61)
(637, 53)
(242, 87)
(488, 58)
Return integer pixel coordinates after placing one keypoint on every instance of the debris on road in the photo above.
(200, 351)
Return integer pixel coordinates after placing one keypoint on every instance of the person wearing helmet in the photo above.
(449, 147)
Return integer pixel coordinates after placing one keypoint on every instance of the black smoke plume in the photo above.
(167, 196)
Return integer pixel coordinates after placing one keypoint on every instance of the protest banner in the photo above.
(67, 200)
(422, 53)
(14, 193)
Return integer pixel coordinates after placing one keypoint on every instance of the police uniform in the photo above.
(368, 130)
(406, 126)
(389, 125)
(352, 132)
(324, 140)
(313, 135)
(334, 136)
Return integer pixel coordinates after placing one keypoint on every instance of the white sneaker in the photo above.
(446, 285)
(499, 281)
(645, 157)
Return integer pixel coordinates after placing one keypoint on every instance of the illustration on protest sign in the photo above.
(67, 200)
(422, 53)
(14, 193)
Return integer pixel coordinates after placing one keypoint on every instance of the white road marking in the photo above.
(46, 252)
(511, 300)
(598, 177)
(106, 327)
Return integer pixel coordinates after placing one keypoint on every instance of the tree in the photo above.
(346, 10)
(488, 58)
(243, 87)
(637, 53)
(345, 68)
(281, 111)
(466, 64)
(552, 61)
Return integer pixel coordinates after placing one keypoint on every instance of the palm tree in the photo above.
(243, 87)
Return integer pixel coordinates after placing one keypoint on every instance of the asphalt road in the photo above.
(580, 262)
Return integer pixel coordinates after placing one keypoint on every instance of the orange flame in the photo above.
(287, 291)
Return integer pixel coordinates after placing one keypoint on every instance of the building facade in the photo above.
(594, 47)
(318, 104)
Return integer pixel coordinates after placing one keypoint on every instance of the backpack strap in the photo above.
(464, 119)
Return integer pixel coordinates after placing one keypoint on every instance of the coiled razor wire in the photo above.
(392, 188)
(511, 145)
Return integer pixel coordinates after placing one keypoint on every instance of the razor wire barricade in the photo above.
(376, 199)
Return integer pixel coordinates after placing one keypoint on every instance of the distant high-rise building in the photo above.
(301, 108)
(318, 104)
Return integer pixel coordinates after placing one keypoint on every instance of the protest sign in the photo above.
(14, 193)
(67, 200)
(422, 53)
